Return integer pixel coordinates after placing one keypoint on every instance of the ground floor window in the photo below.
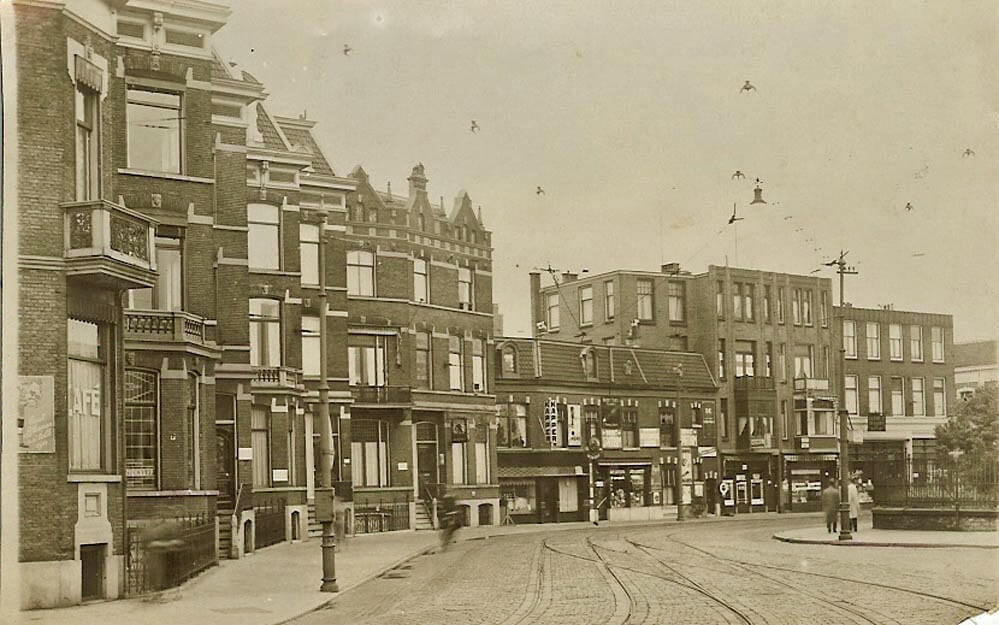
(260, 440)
(568, 494)
(369, 452)
(141, 430)
(629, 487)
(519, 496)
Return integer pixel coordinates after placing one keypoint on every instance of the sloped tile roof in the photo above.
(272, 140)
(976, 354)
(562, 362)
(304, 138)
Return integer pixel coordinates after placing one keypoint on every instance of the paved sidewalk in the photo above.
(281, 582)
(268, 587)
(870, 537)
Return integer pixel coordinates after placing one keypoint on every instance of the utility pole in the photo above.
(677, 434)
(844, 446)
(328, 541)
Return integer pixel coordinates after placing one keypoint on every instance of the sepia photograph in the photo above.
(517, 312)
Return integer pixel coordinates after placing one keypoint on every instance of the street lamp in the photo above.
(844, 477)
(328, 540)
(677, 432)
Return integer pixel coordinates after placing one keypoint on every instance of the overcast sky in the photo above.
(630, 115)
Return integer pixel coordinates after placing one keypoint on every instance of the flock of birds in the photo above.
(746, 88)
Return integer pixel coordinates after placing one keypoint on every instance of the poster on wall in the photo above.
(36, 413)
(648, 437)
(612, 439)
(575, 425)
(553, 433)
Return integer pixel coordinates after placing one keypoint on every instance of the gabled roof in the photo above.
(562, 361)
(976, 354)
(273, 139)
(302, 137)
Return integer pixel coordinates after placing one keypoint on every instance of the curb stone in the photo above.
(850, 543)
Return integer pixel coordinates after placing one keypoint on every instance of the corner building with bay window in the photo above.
(170, 228)
(419, 300)
(554, 399)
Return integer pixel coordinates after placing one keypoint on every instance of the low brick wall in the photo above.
(936, 519)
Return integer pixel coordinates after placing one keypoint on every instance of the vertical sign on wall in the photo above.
(575, 425)
(552, 431)
(36, 420)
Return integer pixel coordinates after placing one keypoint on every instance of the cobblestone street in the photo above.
(730, 572)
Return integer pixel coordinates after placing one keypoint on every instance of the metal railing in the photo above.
(166, 553)
(973, 486)
(269, 523)
(381, 516)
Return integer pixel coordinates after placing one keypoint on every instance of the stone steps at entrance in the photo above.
(315, 527)
(423, 520)
(224, 518)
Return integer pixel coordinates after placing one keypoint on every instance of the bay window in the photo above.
(154, 129)
(803, 356)
(263, 238)
(265, 332)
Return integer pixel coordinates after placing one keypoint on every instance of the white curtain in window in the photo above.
(371, 464)
(457, 463)
(481, 463)
(568, 495)
(357, 463)
(259, 440)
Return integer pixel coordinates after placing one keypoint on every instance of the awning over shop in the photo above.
(528, 472)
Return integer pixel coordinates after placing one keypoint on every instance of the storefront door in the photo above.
(548, 500)
(742, 496)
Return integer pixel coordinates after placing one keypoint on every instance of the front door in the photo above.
(426, 460)
(225, 476)
(548, 498)
(92, 565)
(742, 496)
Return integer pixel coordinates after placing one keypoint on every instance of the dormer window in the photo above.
(589, 361)
(508, 356)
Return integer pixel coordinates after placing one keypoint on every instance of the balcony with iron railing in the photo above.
(162, 326)
(381, 394)
(803, 385)
(109, 245)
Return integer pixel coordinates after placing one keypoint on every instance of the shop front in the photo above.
(555, 494)
(805, 475)
(747, 485)
(629, 491)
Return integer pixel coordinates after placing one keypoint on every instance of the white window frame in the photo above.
(851, 394)
(850, 338)
(308, 240)
(263, 231)
(361, 273)
(261, 464)
(311, 365)
(874, 392)
(873, 340)
(456, 363)
(916, 343)
(895, 341)
(934, 343)
(940, 407)
(586, 305)
(459, 464)
(609, 304)
(366, 363)
(421, 280)
(258, 319)
(918, 406)
(179, 109)
(899, 395)
(645, 301)
(88, 141)
(478, 366)
(466, 289)
(551, 310)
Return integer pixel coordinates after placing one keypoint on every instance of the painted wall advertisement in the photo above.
(36, 413)
(686, 473)
(575, 425)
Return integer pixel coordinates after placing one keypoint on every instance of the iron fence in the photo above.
(268, 526)
(165, 553)
(939, 485)
(381, 516)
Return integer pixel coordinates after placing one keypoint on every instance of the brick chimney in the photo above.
(417, 181)
(568, 276)
(536, 313)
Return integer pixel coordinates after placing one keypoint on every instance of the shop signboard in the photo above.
(612, 439)
(688, 437)
(36, 416)
(574, 427)
(648, 437)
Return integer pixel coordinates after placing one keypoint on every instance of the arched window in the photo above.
(509, 360)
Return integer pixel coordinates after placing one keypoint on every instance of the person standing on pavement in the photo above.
(854, 499)
(450, 521)
(830, 506)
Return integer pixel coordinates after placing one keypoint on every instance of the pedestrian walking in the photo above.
(830, 506)
(854, 499)
(450, 521)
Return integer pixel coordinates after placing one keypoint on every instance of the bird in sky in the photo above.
(738, 174)
(748, 87)
(347, 49)
(908, 206)
(969, 152)
(474, 127)
(540, 191)
(733, 218)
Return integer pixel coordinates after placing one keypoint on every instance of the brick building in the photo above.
(419, 298)
(767, 337)
(898, 383)
(170, 229)
(554, 397)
